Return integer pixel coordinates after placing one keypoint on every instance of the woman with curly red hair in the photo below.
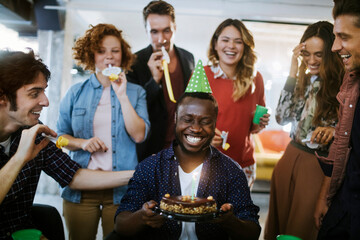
(103, 121)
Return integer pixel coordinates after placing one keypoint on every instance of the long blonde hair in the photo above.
(245, 70)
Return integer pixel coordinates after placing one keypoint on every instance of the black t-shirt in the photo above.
(352, 179)
(350, 192)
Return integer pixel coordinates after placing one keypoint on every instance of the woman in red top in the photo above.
(237, 87)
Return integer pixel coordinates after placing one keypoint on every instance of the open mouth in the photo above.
(192, 139)
(229, 53)
(345, 56)
(313, 67)
(36, 113)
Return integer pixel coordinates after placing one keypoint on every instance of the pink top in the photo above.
(102, 130)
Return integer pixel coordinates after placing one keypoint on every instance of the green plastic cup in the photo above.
(259, 112)
(287, 237)
(27, 234)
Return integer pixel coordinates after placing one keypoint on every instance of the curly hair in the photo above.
(245, 69)
(87, 45)
(18, 69)
(331, 73)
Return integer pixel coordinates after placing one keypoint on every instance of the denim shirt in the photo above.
(77, 110)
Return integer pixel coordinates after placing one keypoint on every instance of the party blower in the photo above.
(60, 142)
(112, 72)
(165, 61)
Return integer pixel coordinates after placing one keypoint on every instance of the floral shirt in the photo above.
(300, 111)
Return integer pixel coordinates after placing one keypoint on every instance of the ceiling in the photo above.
(24, 16)
(18, 16)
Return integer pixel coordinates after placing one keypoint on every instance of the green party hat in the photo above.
(198, 81)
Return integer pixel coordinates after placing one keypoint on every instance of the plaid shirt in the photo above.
(15, 208)
(221, 177)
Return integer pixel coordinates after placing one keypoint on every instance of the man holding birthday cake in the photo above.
(196, 171)
(150, 72)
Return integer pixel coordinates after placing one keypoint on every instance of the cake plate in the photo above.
(187, 217)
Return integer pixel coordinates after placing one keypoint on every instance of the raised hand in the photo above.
(155, 66)
(297, 53)
(27, 149)
(119, 85)
(217, 140)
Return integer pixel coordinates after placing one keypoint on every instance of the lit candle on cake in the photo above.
(193, 186)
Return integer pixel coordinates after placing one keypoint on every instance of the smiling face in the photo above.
(30, 100)
(347, 41)
(195, 125)
(229, 46)
(161, 31)
(312, 54)
(109, 53)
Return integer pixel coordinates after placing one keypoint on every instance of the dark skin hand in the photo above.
(130, 224)
(226, 212)
(150, 218)
(234, 226)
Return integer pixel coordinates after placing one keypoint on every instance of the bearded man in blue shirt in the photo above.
(166, 172)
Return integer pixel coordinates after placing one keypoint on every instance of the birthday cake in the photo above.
(187, 205)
